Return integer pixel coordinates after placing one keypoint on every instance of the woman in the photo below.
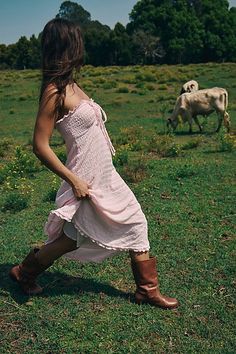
(97, 215)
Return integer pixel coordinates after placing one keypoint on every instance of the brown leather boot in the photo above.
(26, 272)
(146, 279)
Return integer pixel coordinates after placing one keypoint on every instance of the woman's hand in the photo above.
(80, 188)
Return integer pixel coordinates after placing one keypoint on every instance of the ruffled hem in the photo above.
(105, 246)
(81, 231)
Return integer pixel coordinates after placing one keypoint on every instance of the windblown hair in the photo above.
(62, 55)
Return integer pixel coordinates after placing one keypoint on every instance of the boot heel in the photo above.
(12, 275)
(139, 300)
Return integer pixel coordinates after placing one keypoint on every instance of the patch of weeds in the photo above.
(150, 87)
(109, 85)
(12, 111)
(137, 145)
(3, 175)
(149, 77)
(142, 93)
(139, 77)
(14, 202)
(163, 87)
(129, 80)
(140, 85)
(132, 134)
(164, 145)
(191, 144)
(123, 89)
(51, 195)
(121, 157)
(184, 171)
(5, 143)
(100, 80)
(62, 156)
(226, 142)
(22, 165)
(24, 97)
(136, 170)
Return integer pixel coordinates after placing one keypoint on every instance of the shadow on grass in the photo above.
(57, 283)
(186, 133)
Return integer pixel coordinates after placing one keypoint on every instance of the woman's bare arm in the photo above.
(43, 130)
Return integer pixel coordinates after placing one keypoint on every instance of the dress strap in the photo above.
(113, 151)
(101, 123)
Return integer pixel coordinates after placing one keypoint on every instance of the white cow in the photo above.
(203, 102)
(190, 86)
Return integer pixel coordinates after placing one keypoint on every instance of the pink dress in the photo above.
(111, 220)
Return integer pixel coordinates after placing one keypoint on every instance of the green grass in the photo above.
(186, 188)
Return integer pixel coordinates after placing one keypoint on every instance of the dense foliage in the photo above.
(159, 31)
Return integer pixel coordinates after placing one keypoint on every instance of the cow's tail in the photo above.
(226, 100)
(226, 115)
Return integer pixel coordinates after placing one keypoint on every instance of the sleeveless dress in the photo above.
(111, 220)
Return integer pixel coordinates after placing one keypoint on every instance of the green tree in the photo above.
(189, 30)
(23, 53)
(220, 28)
(120, 49)
(95, 34)
(147, 49)
(34, 52)
(74, 12)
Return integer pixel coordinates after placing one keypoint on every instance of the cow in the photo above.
(202, 102)
(190, 86)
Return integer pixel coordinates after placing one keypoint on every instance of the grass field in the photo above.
(186, 187)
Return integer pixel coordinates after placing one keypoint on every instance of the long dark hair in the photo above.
(62, 55)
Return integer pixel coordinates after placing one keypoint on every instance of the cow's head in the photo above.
(171, 123)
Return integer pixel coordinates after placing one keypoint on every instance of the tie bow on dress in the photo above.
(100, 122)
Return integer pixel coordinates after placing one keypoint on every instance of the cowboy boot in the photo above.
(146, 279)
(26, 272)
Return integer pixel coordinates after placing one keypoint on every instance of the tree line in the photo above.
(159, 31)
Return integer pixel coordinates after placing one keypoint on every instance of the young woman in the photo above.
(97, 214)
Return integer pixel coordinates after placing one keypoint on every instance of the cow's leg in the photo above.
(195, 118)
(227, 121)
(187, 117)
(220, 119)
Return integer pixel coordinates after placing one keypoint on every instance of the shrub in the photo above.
(163, 87)
(51, 195)
(22, 165)
(132, 133)
(150, 87)
(149, 77)
(139, 77)
(142, 93)
(15, 201)
(184, 171)
(123, 89)
(164, 146)
(226, 141)
(109, 85)
(140, 85)
(191, 144)
(121, 157)
(135, 171)
(4, 146)
(23, 98)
